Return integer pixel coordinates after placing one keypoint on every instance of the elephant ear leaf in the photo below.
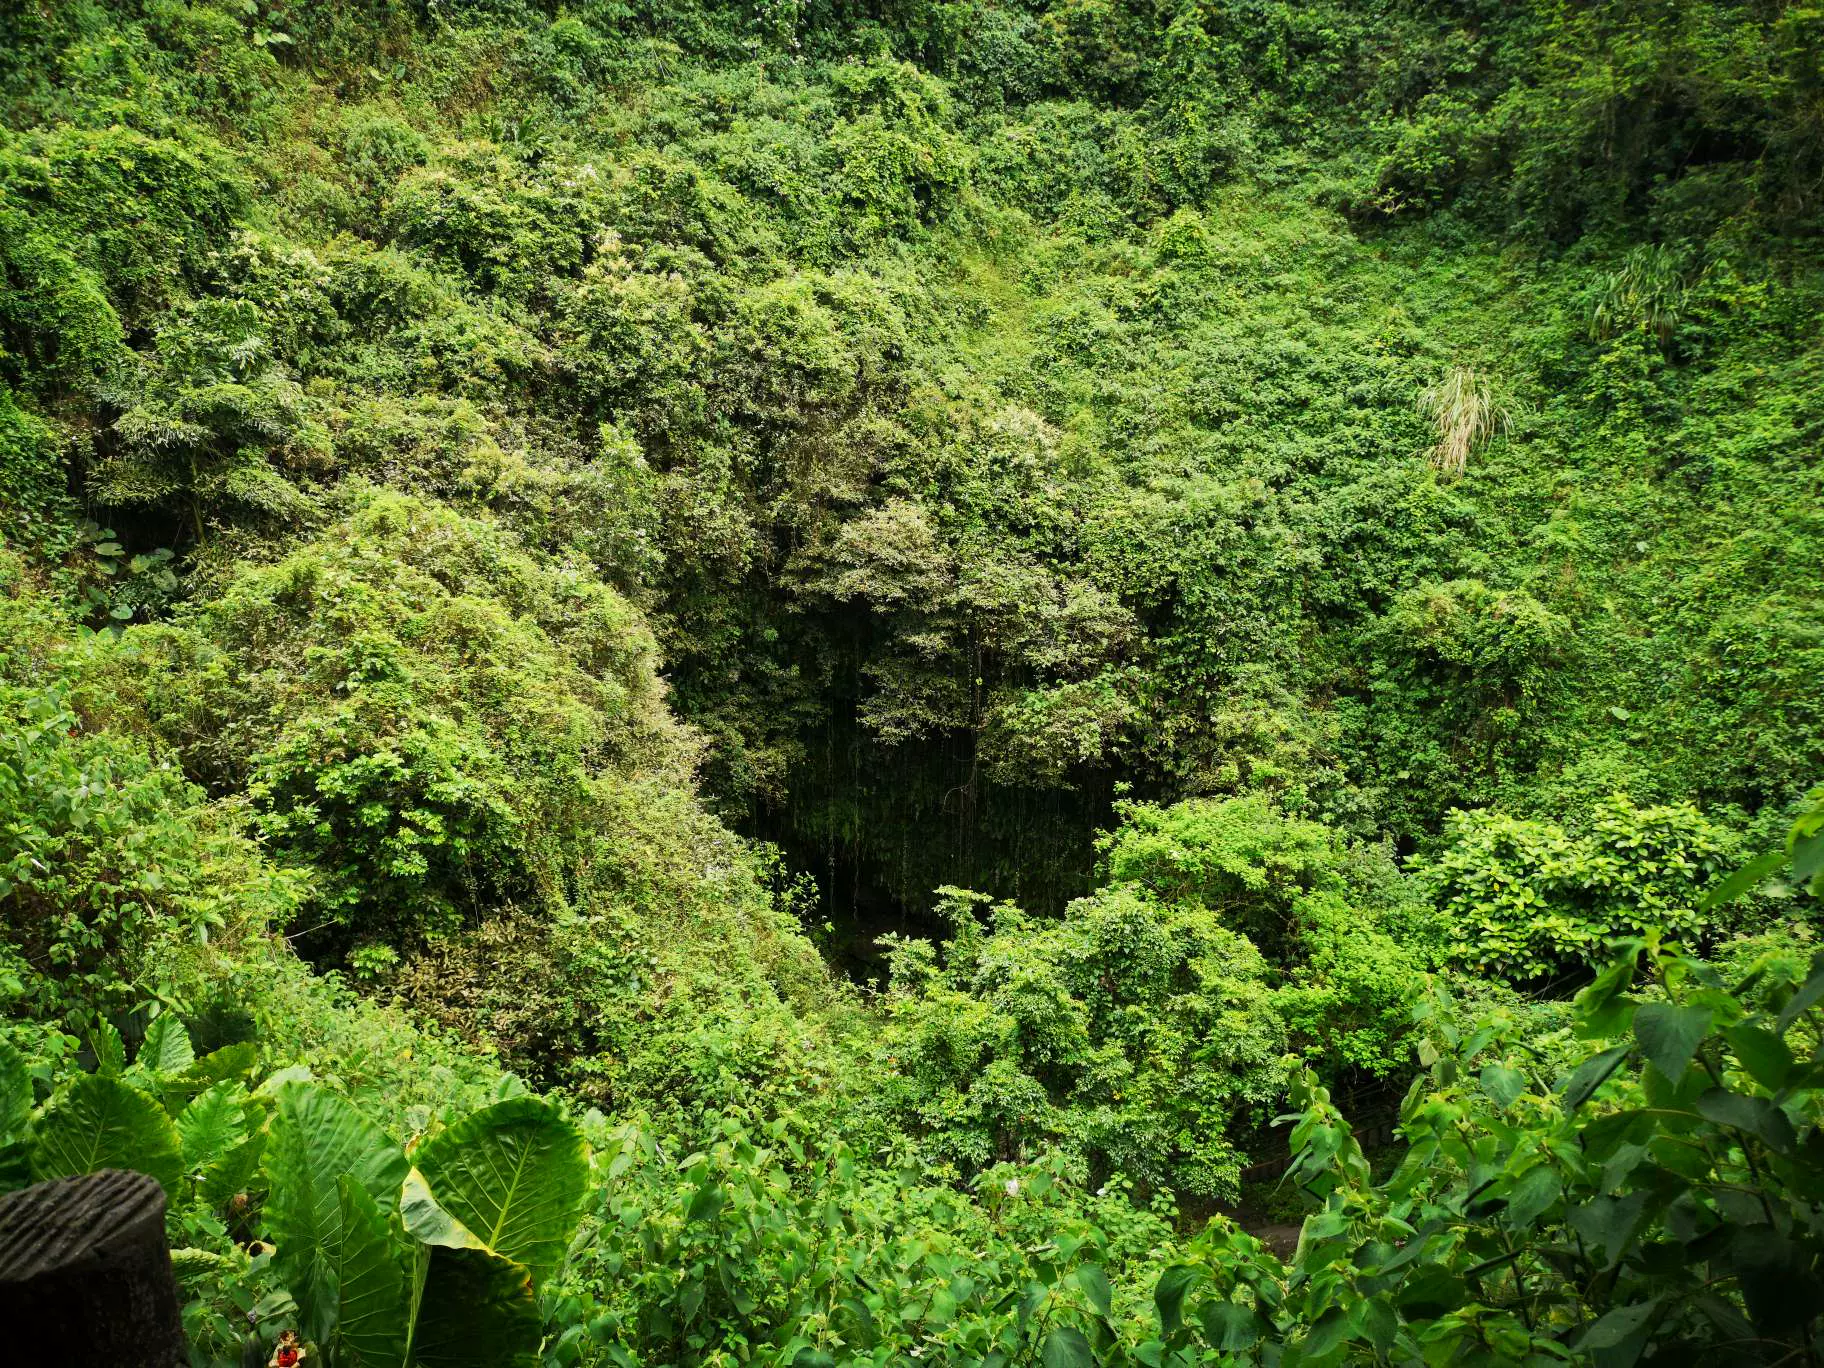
(102, 1123)
(15, 1092)
(166, 1050)
(475, 1310)
(370, 1328)
(211, 1127)
(508, 1179)
(318, 1138)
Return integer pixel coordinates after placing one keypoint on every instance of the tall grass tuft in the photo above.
(1463, 411)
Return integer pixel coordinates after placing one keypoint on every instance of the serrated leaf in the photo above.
(315, 1139)
(513, 1175)
(1618, 1325)
(1325, 1335)
(1669, 1035)
(1755, 1115)
(1530, 1194)
(102, 1123)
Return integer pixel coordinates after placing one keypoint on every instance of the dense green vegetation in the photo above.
(879, 645)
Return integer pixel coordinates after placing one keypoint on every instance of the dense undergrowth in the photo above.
(1276, 545)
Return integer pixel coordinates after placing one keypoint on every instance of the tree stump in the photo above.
(85, 1275)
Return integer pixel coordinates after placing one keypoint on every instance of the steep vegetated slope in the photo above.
(1268, 535)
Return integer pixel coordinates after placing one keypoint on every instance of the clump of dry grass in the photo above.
(1463, 410)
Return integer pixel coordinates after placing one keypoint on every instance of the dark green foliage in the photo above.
(1244, 485)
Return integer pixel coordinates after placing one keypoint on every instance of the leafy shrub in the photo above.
(419, 711)
(1528, 900)
(111, 862)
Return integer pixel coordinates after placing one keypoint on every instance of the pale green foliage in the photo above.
(1528, 900)
(1464, 414)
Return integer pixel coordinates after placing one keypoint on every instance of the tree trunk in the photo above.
(85, 1275)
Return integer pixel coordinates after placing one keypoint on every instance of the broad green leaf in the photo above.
(102, 1123)
(371, 1328)
(513, 1176)
(1618, 1325)
(1807, 996)
(1531, 1193)
(1755, 1115)
(1765, 1056)
(1745, 880)
(1094, 1283)
(15, 1092)
(427, 1221)
(231, 1061)
(1502, 1084)
(475, 1310)
(110, 1051)
(315, 1139)
(1168, 1296)
(1231, 1327)
(1325, 1335)
(1591, 1075)
(166, 1049)
(211, 1127)
(1808, 857)
(236, 1171)
(1609, 1223)
(1669, 1035)
(1065, 1347)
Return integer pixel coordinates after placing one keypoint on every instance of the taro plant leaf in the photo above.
(110, 1051)
(512, 1176)
(474, 1310)
(370, 1329)
(1669, 1035)
(231, 1061)
(236, 1171)
(211, 1127)
(166, 1049)
(15, 1092)
(316, 1138)
(103, 1123)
